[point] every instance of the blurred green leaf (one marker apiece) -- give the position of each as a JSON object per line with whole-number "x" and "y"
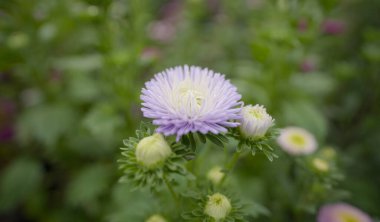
{"x": 45, "y": 123}
{"x": 88, "y": 184}
{"x": 103, "y": 122}
{"x": 306, "y": 115}
{"x": 18, "y": 182}
{"x": 88, "y": 62}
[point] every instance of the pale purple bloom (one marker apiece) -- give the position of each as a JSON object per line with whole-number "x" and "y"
{"x": 341, "y": 212}
{"x": 187, "y": 99}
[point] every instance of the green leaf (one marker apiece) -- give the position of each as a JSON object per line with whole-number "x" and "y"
{"x": 88, "y": 185}
{"x": 18, "y": 182}
{"x": 202, "y": 137}
{"x": 46, "y": 124}
{"x": 214, "y": 140}
{"x": 103, "y": 123}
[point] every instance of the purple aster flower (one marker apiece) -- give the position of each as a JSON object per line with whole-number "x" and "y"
{"x": 187, "y": 99}
{"x": 341, "y": 212}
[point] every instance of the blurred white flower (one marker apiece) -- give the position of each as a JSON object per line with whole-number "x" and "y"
{"x": 156, "y": 218}
{"x": 215, "y": 175}
{"x": 152, "y": 151}
{"x": 255, "y": 121}
{"x": 297, "y": 141}
{"x": 218, "y": 206}
{"x": 320, "y": 164}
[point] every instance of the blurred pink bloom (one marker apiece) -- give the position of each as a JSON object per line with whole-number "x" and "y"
{"x": 7, "y": 107}
{"x": 161, "y": 31}
{"x": 308, "y": 65}
{"x": 164, "y": 30}
{"x": 6, "y": 133}
{"x": 150, "y": 53}
{"x": 341, "y": 212}
{"x": 55, "y": 76}
{"x": 302, "y": 25}
{"x": 333, "y": 27}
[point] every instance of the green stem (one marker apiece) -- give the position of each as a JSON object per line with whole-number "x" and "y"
{"x": 233, "y": 161}
{"x": 171, "y": 190}
{"x": 231, "y": 164}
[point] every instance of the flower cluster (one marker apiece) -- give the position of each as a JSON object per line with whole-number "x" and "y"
{"x": 187, "y": 105}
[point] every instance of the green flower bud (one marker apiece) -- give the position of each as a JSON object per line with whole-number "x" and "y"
{"x": 320, "y": 165}
{"x": 215, "y": 175}
{"x": 152, "y": 151}
{"x": 218, "y": 206}
{"x": 156, "y": 218}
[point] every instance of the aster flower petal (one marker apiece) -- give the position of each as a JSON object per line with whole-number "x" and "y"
{"x": 187, "y": 99}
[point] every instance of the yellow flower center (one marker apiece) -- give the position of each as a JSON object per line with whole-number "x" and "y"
{"x": 189, "y": 95}
{"x": 298, "y": 140}
{"x": 346, "y": 217}
{"x": 256, "y": 113}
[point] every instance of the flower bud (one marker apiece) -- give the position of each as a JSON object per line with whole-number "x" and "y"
{"x": 328, "y": 153}
{"x": 156, "y": 218}
{"x": 255, "y": 121}
{"x": 320, "y": 165}
{"x": 218, "y": 206}
{"x": 215, "y": 175}
{"x": 152, "y": 151}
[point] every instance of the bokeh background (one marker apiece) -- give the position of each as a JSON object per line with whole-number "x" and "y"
{"x": 71, "y": 72}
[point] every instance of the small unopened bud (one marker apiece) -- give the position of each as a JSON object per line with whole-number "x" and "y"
{"x": 152, "y": 151}
{"x": 255, "y": 121}
{"x": 218, "y": 206}
{"x": 320, "y": 165}
{"x": 328, "y": 153}
{"x": 215, "y": 175}
{"x": 156, "y": 218}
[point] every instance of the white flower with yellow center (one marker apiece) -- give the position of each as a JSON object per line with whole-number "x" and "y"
{"x": 215, "y": 175}
{"x": 153, "y": 150}
{"x": 156, "y": 218}
{"x": 255, "y": 121}
{"x": 320, "y": 164}
{"x": 297, "y": 141}
{"x": 218, "y": 206}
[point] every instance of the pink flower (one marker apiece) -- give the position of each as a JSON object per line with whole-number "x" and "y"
{"x": 302, "y": 25}
{"x": 307, "y": 65}
{"x": 341, "y": 212}
{"x": 333, "y": 27}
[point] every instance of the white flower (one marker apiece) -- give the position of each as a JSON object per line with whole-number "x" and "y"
{"x": 152, "y": 151}
{"x": 297, "y": 141}
{"x": 320, "y": 164}
{"x": 255, "y": 121}
{"x": 215, "y": 175}
{"x": 218, "y": 206}
{"x": 156, "y": 218}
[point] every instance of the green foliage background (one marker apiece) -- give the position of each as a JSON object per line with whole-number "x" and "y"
{"x": 72, "y": 70}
